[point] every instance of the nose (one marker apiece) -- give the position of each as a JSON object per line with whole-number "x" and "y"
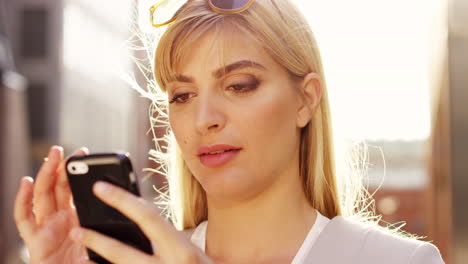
{"x": 210, "y": 116}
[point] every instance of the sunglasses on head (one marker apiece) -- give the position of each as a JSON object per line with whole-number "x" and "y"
{"x": 161, "y": 17}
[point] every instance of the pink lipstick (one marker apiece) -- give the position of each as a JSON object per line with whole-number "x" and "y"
{"x": 217, "y": 155}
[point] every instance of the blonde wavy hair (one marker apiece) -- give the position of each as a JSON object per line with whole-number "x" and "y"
{"x": 284, "y": 33}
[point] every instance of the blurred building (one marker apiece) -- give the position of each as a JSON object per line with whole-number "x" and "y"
{"x": 14, "y": 140}
{"x": 71, "y": 54}
{"x": 398, "y": 174}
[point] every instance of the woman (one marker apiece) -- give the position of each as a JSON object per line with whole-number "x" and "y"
{"x": 252, "y": 179}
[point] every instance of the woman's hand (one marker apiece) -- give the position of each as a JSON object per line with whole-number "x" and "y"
{"x": 44, "y": 213}
{"x": 172, "y": 246}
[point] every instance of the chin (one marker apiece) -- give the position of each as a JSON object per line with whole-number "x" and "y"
{"x": 227, "y": 196}
{"x": 230, "y": 188}
{"x": 227, "y": 186}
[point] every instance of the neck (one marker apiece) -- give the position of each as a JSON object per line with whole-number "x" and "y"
{"x": 269, "y": 227}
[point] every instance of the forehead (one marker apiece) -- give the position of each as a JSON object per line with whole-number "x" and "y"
{"x": 216, "y": 49}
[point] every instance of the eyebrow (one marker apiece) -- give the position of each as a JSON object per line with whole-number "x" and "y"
{"x": 223, "y": 70}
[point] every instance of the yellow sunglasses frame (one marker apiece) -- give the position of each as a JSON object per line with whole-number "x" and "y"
{"x": 212, "y": 6}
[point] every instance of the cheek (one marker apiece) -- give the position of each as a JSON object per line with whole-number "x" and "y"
{"x": 272, "y": 117}
{"x": 270, "y": 130}
{"x": 180, "y": 130}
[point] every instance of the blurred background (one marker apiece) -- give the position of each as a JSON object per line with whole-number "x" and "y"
{"x": 396, "y": 75}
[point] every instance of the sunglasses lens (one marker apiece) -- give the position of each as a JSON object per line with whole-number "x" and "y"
{"x": 229, "y": 4}
{"x": 166, "y": 11}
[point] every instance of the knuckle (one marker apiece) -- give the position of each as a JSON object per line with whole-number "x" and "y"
{"x": 147, "y": 210}
{"x": 43, "y": 190}
{"x": 148, "y": 217}
{"x": 49, "y": 163}
{"x": 61, "y": 168}
{"x": 62, "y": 182}
{"x": 141, "y": 202}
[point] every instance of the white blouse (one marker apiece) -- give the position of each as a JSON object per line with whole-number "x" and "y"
{"x": 199, "y": 237}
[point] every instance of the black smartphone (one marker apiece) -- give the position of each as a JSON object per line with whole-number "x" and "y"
{"x": 115, "y": 168}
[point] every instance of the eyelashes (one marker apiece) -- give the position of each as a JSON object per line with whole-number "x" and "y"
{"x": 180, "y": 98}
{"x": 237, "y": 88}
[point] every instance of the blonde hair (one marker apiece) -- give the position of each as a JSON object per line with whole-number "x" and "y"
{"x": 286, "y": 36}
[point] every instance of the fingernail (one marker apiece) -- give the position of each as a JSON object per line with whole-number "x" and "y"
{"x": 24, "y": 180}
{"x": 85, "y": 150}
{"x": 53, "y": 150}
{"x": 28, "y": 178}
{"x": 102, "y": 187}
{"x": 76, "y": 234}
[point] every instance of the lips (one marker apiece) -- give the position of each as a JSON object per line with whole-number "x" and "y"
{"x": 208, "y": 150}
{"x": 217, "y": 155}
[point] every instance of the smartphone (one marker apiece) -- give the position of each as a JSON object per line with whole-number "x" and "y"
{"x": 115, "y": 168}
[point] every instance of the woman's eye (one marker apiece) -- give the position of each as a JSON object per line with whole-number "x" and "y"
{"x": 180, "y": 98}
{"x": 236, "y": 88}
{"x": 243, "y": 87}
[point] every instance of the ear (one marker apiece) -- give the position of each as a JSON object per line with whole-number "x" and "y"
{"x": 310, "y": 95}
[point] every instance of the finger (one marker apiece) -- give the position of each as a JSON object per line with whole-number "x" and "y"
{"x": 44, "y": 196}
{"x": 52, "y": 235}
{"x": 23, "y": 209}
{"x": 62, "y": 189}
{"x": 110, "y": 248}
{"x": 155, "y": 227}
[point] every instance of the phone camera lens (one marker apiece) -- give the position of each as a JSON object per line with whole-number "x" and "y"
{"x": 73, "y": 168}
